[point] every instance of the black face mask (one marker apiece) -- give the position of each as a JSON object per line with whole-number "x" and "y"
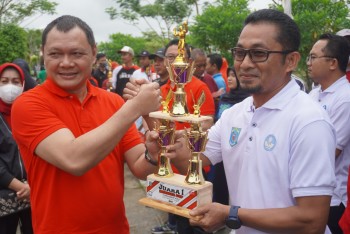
{"x": 103, "y": 65}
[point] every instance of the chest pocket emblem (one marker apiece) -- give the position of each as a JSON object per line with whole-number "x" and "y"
{"x": 270, "y": 142}
{"x": 234, "y": 136}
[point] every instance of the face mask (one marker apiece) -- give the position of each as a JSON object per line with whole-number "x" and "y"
{"x": 9, "y": 92}
{"x": 103, "y": 65}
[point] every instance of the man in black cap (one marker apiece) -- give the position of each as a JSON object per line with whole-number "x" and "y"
{"x": 159, "y": 66}
{"x": 146, "y": 69}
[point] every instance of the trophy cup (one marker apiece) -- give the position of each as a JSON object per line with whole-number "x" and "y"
{"x": 166, "y": 190}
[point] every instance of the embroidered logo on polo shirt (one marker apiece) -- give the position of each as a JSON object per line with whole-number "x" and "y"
{"x": 234, "y": 136}
{"x": 270, "y": 142}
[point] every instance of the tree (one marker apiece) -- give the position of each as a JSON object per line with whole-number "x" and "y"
{"x": 34, "y": 44}
{"x": 14, "y": 11}
{"x": 315, "y": 18}
{"x": 119, "y": 40}
{"x": 13, "y": 43}
{"x": 219, "y": 25}
{"x": 166, "y": 13}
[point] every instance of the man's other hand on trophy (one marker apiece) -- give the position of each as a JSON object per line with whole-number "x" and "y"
{"x": 145, "y": 94}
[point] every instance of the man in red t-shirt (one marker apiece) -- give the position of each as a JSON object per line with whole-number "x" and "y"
{"x": 75, "y": 138}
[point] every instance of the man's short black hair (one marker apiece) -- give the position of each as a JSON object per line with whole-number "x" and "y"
{"x": 100, "y": 55}
{"x": 288, "y": 35}
{"x": 64, "y": 24}
{"x": 337, "y": 47}
{"x": 216, "y": 59}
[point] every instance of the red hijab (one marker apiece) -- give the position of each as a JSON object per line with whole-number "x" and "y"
{"x": 5, "y": 109}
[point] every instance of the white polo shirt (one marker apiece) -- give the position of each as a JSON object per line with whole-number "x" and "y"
{"x": 282, "y": 150}
{"x": 336, "y": 101}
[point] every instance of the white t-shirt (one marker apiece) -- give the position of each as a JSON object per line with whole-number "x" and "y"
{"x": 139, "y": 75}
{"x": 272, "y": 154}
{"x": 336, "y": 101}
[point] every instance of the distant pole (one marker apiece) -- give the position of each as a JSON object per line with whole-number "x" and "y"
{"x": 287, "y": 6}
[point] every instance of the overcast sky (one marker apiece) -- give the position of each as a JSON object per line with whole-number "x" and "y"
{"x": 93, "y": 13}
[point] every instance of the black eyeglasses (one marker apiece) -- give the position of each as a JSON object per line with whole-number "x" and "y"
{"x": 255, "y": 55}
{"x": 312, "y": 57}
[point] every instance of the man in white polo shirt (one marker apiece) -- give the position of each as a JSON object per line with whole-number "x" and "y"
{"x": 277, "y": 146}
{"x": 327, "y": 63}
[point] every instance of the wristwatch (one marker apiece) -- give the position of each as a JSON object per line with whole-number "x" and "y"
{"x": 232, "y": 220}
{"x": 149, "y": 159}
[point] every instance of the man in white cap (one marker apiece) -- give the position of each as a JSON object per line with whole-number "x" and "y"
{"x": 121, "y": 74}
{"x": 346, "y": 33}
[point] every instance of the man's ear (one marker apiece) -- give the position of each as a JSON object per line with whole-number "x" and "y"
{"x": 334, "y": 64}
{"x": 292, "y": 60}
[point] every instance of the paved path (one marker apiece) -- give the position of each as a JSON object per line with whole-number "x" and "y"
{"x": 141, "y": 219}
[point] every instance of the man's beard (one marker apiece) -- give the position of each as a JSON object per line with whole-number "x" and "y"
{"x": 250, "y": 88}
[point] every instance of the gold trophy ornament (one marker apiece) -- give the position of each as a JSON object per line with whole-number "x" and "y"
{"x": 109, "y": 75}
{"x": 196, "y": 139}
{"x": 180, "y": 73}
{"x": 166, "y": 137}
{"x": 168, "y": 191}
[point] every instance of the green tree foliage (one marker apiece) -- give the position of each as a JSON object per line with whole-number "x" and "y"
{"x": 34, "y": 41}
{"x": 219, "y": 26}
{"x": 13, "y": 43}
{"x": 166, "y": 13}
{"x": 34, "y": 44}
{"x": 118, "y": 40}
{"x": 315, "y": 18}
{"x": 14, "y": 11}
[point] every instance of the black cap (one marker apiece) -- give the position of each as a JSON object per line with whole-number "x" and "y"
{"x": 159, "y": 53}
{"x": 144, "y": 53}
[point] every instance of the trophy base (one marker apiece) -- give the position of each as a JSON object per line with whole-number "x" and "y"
{"x": 175, "y": 196}
{"x": 187, "y": 118}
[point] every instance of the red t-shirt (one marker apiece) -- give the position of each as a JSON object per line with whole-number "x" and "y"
{"x": 345, "y": 219}
{"x": 61, "y": 202}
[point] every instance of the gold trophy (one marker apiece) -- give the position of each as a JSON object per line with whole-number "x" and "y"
{"x": 166, "y": 190}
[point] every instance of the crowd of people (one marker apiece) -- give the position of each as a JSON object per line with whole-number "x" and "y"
{"x": 278, "y": 157}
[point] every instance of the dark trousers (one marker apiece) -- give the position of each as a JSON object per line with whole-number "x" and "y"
{"x": 9, "y": 223}
{"x": 335, "y": 213}
{"x": 184, "y": 227}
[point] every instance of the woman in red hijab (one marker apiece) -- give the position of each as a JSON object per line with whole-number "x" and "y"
{"x": 12, "y": 173}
